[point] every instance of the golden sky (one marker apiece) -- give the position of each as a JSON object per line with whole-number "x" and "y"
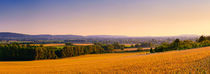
{"x": 106, "y": 17}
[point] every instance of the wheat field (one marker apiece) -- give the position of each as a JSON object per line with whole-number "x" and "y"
{"x": 192, "y": 61}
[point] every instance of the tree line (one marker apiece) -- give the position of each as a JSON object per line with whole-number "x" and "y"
{"x": 19, "y": 52}
{"x": 15, "y": 52}
{"x": 143, "y": 44}
{"x": 110, "y": 47}
{"x": 181, "y": 45}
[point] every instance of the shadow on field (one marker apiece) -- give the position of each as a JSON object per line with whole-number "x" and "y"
{"x": 13, "y": 59}
{"x": 24, "y": 59}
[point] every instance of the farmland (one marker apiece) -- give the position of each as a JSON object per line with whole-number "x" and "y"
{"x": 185, "y": 61}
{"x": 131, "y": 49}
{"x": 60, "y": 44}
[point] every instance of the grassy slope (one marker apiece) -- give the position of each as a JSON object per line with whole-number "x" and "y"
{"x": 193, "y": 60}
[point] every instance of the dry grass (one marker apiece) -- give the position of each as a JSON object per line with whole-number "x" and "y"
{"x": 192, "y": 61}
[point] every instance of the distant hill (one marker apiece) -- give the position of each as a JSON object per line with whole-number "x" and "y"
{"x": 9, "y": 34}
{"x": 19, "y": 36}
{"x": 106, "y": 36}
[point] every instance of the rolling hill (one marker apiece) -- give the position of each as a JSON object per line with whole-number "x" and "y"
{"x": 9, "y": 34}
{"x": 19, "y": 36}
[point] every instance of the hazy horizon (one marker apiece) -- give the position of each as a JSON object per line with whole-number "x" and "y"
{"x": 106, "y": 17}
{"x": 108, "y": 35}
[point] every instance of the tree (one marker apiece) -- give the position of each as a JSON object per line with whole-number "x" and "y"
{"x": 202, "y": 38}
{"x": 137, "y": 45}
{"x": 122, "y": 47}
{"x": 163, "y": 47}
{"x": 98, "y": 43}
{"x": 151, "y": 50}
{"x": 132, "y": 46}
{"x": 108, "y": 47}
{"x": 69, "y": 44}
{"x": 208, "y": 37}
{"x": 177, "y": 41}
{"x": 176, "y": 44}
{"x": 116, "y": 45}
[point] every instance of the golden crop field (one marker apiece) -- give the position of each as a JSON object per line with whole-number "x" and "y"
{"x": 192, "y": 61}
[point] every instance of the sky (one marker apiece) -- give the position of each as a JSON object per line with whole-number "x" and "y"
{"x": 106, "y": 17}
